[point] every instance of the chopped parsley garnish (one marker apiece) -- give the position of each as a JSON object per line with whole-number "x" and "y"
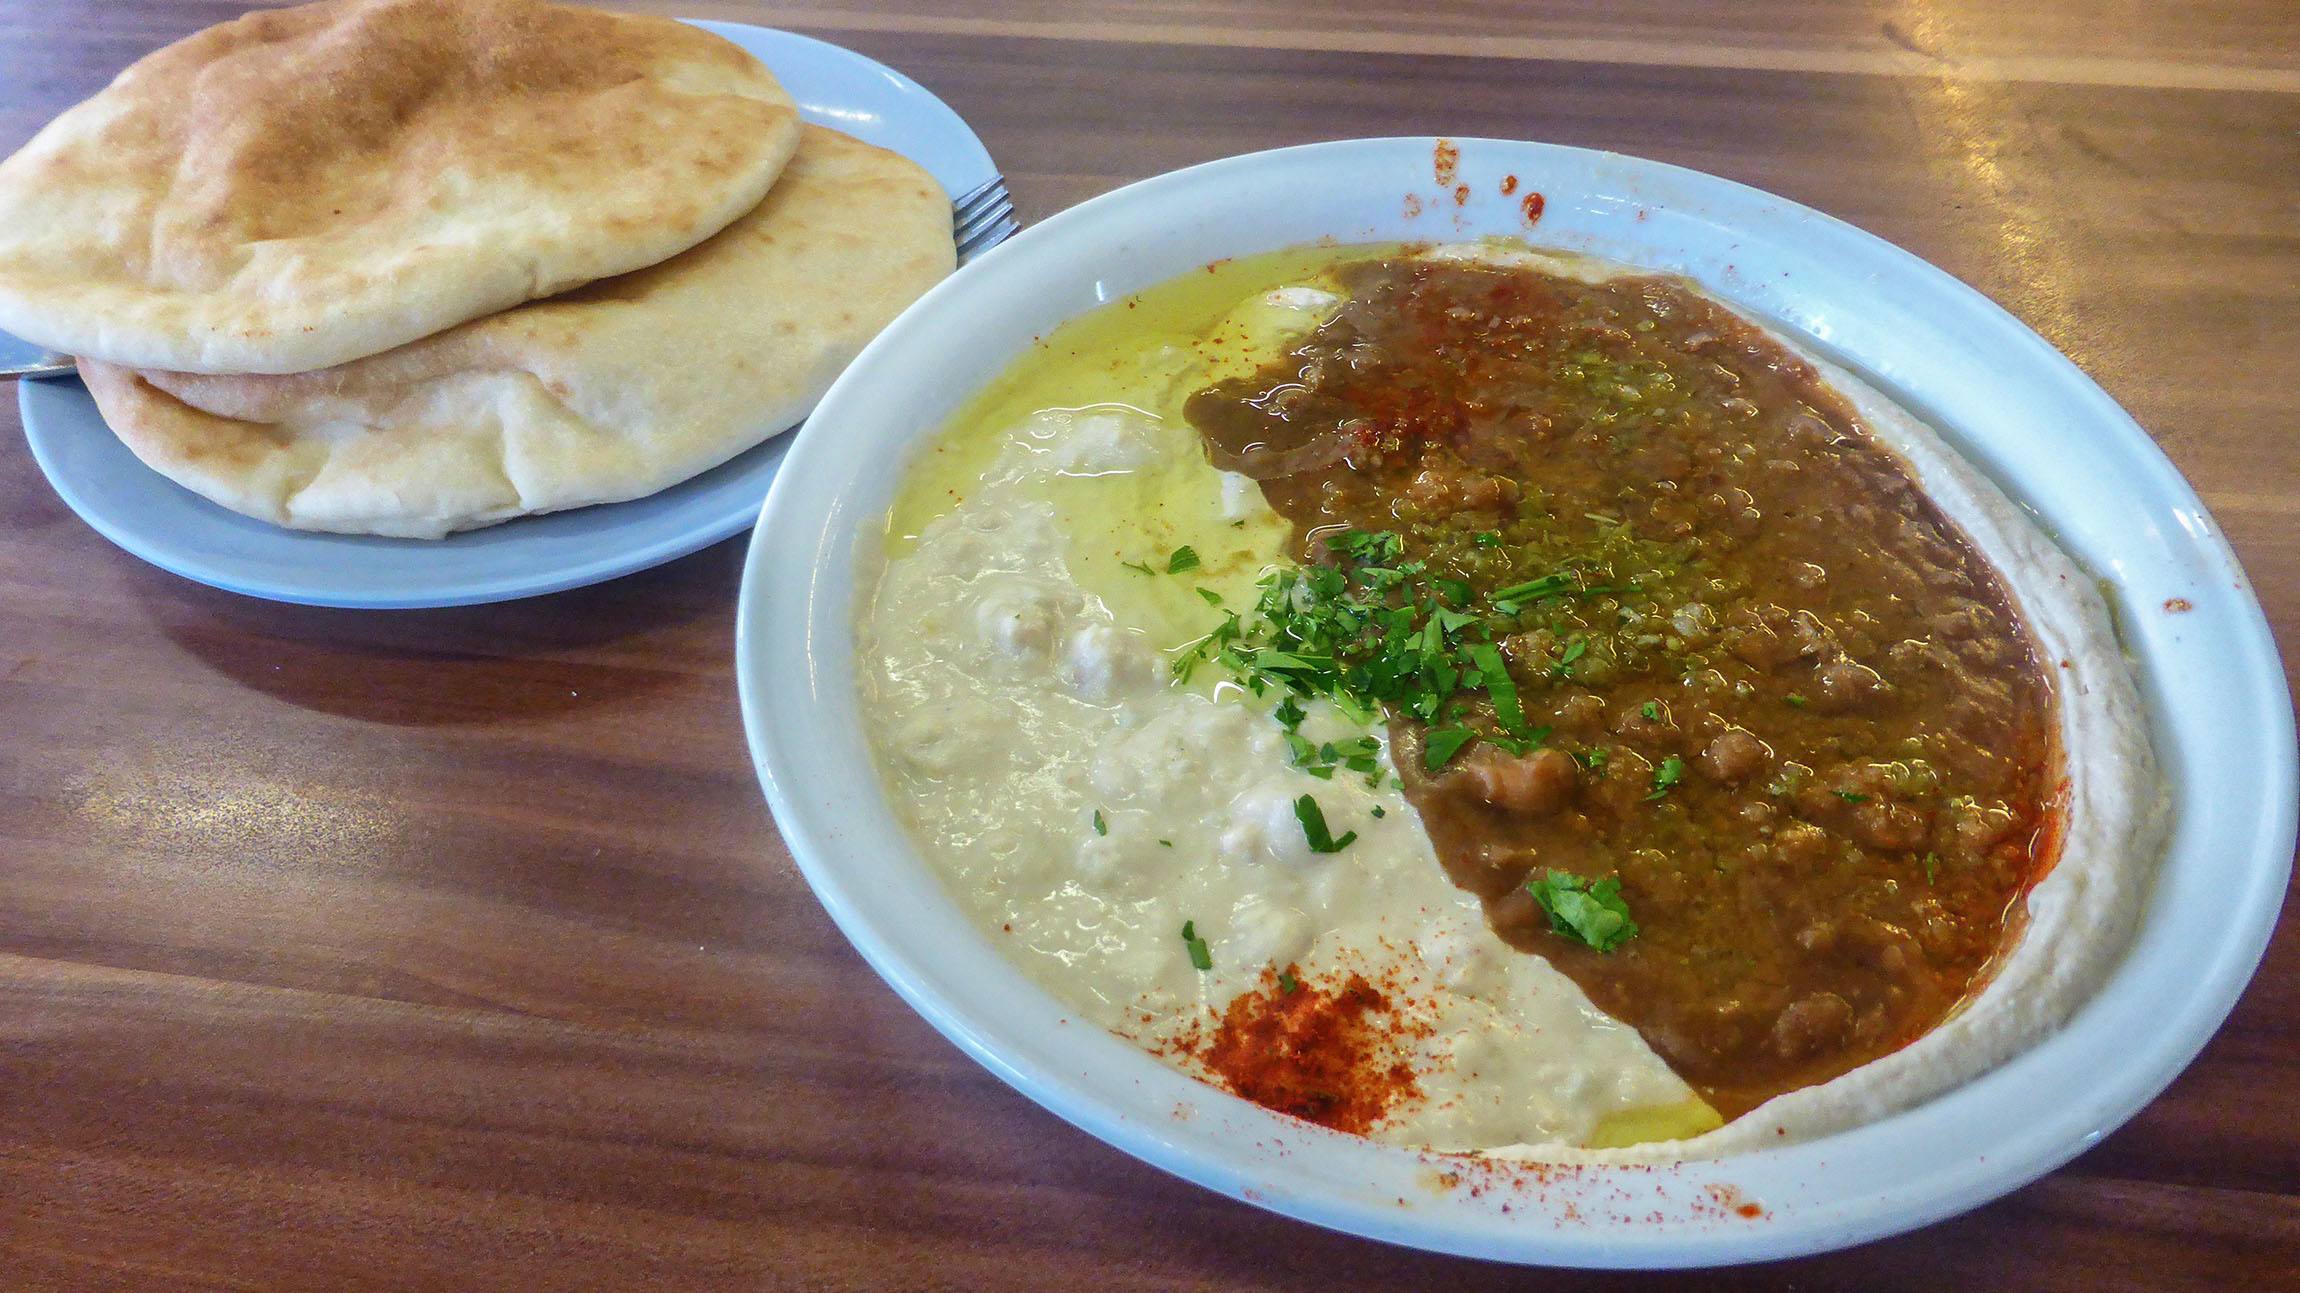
{"x": 1142, "y": 567}
{"x": 1380, "y": 811}
{"x": 1442, "y": 743}
{"x": 1932, "y": 867}
{"x": 1486, "y": 538}
{"x": 1369, "y": 546}
{"x": 1592, "y": 760}
{"x": 1592, "y": 914}
{"x": 1374, "y": 627}
{"x": 1370, "y": 629}
{"x": 1521, "y": 743}
{"x": 1493, "y": 675}
{"x": 1358, "y": 754}
{"x": 1101, "y": 827}
{"x": 1185, "y": 559}
{"x": 1212, "y": 598}
{"x": 1287, "y": 983}
{"x": 1652, "y": 711}
{"x": 1850, "y": 797}
{"x": 1533, "y": 590}
{"x": 1313, "y": 819}
{"x": 1200, "y": 956}
{"x": 1796, "y": 701}
{"x": 1668, "y": 773}
{"x": 1574, "y": 650}
{"x": 1165, "y": 844}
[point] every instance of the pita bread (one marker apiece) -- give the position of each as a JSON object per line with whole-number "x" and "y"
{"x": 305, "y": 186}
{"x": 610, "y": 392}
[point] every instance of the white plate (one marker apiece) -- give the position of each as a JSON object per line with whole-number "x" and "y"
{"x": 2220, "y": 712}
{"x": 177, "y": 530}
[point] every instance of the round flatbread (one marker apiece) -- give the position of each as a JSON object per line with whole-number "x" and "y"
{"x": 301, "y": 187}
{"x": 609, "y": 392}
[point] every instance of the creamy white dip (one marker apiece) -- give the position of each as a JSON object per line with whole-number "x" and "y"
{"x": 1010, "y": 706}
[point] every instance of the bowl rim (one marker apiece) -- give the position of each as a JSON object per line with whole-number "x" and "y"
{"x": 791, "y": 716}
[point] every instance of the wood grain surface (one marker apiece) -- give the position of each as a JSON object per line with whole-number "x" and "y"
{"x": 457, "y": 950}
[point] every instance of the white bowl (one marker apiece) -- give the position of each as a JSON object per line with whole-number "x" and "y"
{"x": 2220, "y": 713}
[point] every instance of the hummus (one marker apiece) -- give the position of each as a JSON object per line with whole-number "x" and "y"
{"x": 1234, "y": 879}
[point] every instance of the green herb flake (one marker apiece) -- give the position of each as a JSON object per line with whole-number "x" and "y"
{"x": 1486, "y": 538}
{"x": 1380, "y": 811}
{"x": 1313, "y": 819}
{"x": 1796, "y": 701}
{"x": 1534, "y": 589}
{"x": 1652, "y": 711}
{"x": 1287, "y": 983}
{"x": 1850, "y": 797}
{"x": 1101, "y": 827}
{"x": 1165, "y": 844}
{"x": 1142, "y": 567}
{"x": 1200, "y": 956}
{"x": 1590, "y": 913}
{"x": 1442, "y": 743}
{"x": 1670, "y": 771}
{"x": 1932, "y": 868}
{"x": 1185, "y": 559}
{"x": 1574, "y": 650}
{"x": 1212, "y": 598}
{"x": 1494, "y": 672}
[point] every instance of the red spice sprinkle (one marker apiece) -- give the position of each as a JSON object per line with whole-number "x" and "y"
{"x": 1445, "y": 162}
{"x": 1532, "y": 207}
{"x": 1329, "y": 1055}
{"x": 2178, "y": 604}
{"x": 1413, "y": 205}
{"x": 1729, "y": 1201}
{"x": 1461, "y": 195}
{"x": 1508, "y": 185}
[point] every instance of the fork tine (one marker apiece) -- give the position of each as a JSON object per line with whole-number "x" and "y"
{"x": 989, "y": 235}
{"x": 989, "y": 238}
{"x": 963, "y": 227}
{"x": 974, "y": 199}
{"x": 983, "y": 219}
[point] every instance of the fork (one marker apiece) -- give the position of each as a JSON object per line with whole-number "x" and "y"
{"x": 47, "y": 365}
{"x": 980, "y": 219}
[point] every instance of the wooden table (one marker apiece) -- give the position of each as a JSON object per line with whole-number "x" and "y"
{"x": 456, "y": 949}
